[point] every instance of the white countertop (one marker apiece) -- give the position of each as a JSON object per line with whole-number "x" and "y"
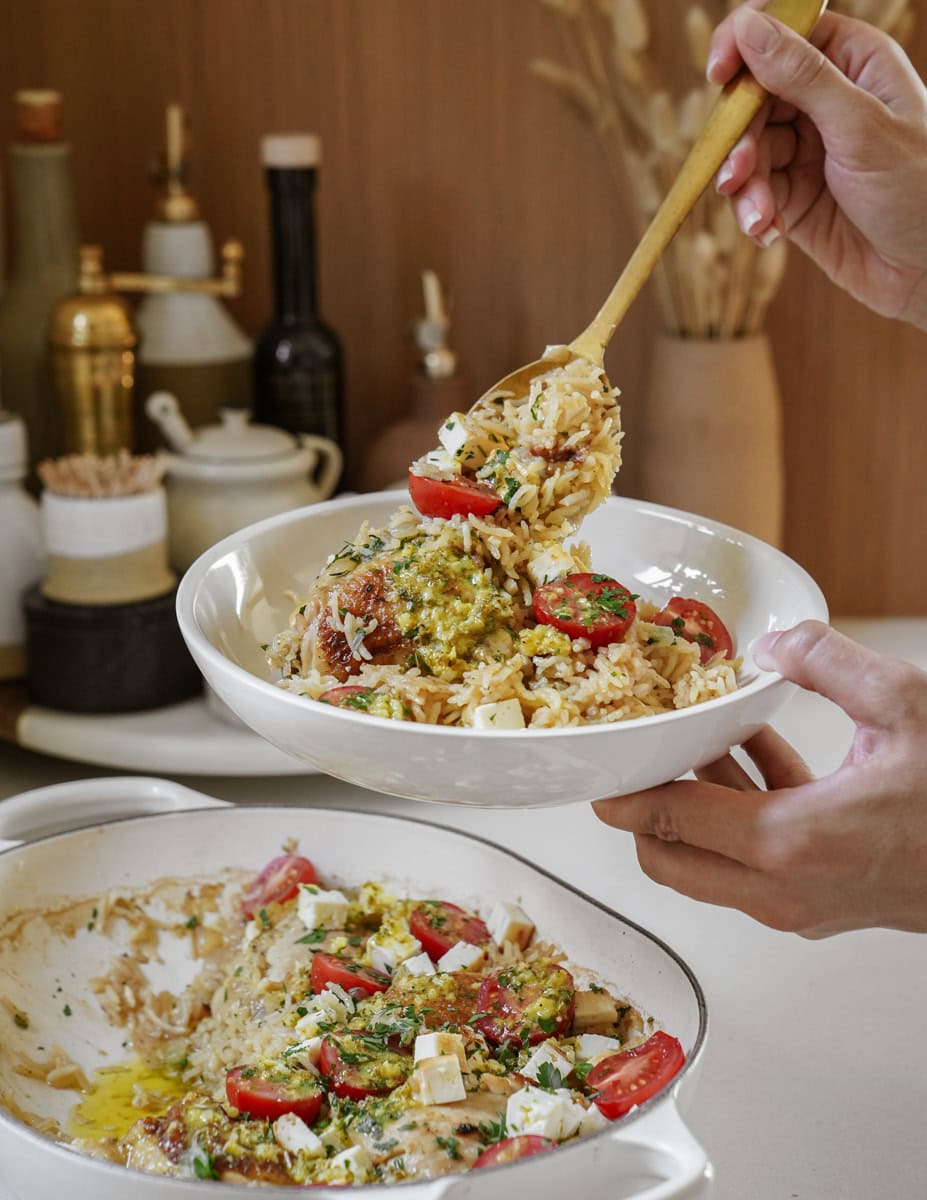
{"x": 814, "y": 1078}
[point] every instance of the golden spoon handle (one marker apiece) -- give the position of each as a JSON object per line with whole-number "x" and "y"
{"x": 736, "y": 107}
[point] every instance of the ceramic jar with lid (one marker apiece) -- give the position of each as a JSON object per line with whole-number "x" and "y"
{"x": 223, "y": 477}
{"x": 21, "y": 548}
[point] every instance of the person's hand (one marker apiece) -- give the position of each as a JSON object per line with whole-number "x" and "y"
{"x": 815, "y": 857}
{"x": 837, "y": 160}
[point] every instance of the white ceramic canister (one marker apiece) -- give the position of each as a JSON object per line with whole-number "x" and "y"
{"x": 21, "y": 551}
{"x": 226, "y": 476}
{"x": 106, "y": 550}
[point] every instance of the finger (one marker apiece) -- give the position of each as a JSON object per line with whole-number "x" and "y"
{"x": 792, "y": 68}
{"x": 711, "y": 878}
{"x": 725, "y": 772}
{"x": 779, "y": 762}
{"x": 755, "y": 210}
{"x": 703, "y": 815}
{"x": 781, "y": 142}
{"x": 873, "y": 690}
{"x": 724, "y": 60}
{"x": 739, "y": 165}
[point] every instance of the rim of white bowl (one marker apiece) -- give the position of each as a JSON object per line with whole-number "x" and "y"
{"x": 195, "y": 575}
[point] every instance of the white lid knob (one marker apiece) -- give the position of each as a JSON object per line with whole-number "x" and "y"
{"x": 291, "y": 150}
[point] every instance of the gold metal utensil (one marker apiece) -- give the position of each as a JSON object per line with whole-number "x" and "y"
{"x": 735, "y": 108}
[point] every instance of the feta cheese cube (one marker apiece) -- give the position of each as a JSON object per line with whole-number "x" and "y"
{"x": 552, "y": 1115}
{"x": 594, "y": 1011}
{"x": 462, "y": 956}
{"x": 293, "y": 1134}
{"x": 502, "y": 714}
{"x": 319, "y": 909}
{"x": 305, "y": 1054}
{"x": 434, "y": 1045}
{"x": 442, "y": 461}
{"x": 439, "y": 1080}
{"x": 549, "y": 562}
{"x": 461, "y": 442}
{"x": 593, "y": 1121}
{"x": 390, "y": 947}
{"x": 510, "y": 923}
{"x": 548, "y": 1052}
{"x": 594, "y": 1045}
{"x": 419, "y": 964}
{"x": 351, "y": 1165}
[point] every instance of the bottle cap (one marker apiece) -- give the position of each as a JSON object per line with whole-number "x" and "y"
{"x": 38, "y": 115}
{"x": 13, "y": 446}
{"x": 291, "y": 150}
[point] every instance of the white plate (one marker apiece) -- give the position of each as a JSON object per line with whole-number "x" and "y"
{"x": 187, "y": 739}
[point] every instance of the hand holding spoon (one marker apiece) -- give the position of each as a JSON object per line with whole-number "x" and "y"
{"x": 735, "y": 108}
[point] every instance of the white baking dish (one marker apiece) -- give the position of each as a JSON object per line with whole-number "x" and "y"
{"x": 649, "y": 1155}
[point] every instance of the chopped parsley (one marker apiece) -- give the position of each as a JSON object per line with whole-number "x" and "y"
{"x": 549, "y": 1078}
{"x": 193, "y": 922}
{"x": 312, "y": 937}
{"x": 450, "y": 1145}
{"x": 511, "y": 487}
{"x": 203, "y": 1165}
{"x": 493, "y": 1131}
{"x": 548, "y": 1024}
{"x": 581, "y": 1070}
{"x": 67, "y": 1010}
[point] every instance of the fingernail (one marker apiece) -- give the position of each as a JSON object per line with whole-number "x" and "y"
{"x": 767, "y": 238}
{"x": 756, "y": 30}
{"x": 724, "y": 176}
{"x": 752, "y": 219}
{"x": 714, "y": 62}
{"x": 761, "y": 649}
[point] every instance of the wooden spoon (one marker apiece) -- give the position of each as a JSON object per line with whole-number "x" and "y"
{"x": 735, "y": 108}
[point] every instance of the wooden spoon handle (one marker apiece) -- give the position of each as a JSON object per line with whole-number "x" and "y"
{"x": 736, "y": 107}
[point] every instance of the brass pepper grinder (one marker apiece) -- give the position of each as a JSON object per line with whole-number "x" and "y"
{"x": 93, "y": 352}
{"x": 93, "y": 347}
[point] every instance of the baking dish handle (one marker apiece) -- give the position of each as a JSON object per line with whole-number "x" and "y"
{"x": 665, "y": 1148}
{"x": 65, "y": 806}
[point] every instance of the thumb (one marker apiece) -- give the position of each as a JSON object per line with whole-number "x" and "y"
{"x": 871, "y": 689}
{"x": 791, "y": 68}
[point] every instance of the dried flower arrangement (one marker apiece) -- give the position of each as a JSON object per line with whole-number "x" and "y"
{"x": 713, "y": 282}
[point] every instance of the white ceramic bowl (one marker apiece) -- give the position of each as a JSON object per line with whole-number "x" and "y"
{"x": 235, "y": 597}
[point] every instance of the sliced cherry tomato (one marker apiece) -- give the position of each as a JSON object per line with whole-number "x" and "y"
{"x": 594, "y": 607}
{"x": 449, "y": 497}
{"x": 341, "y": 697}
{"x": 356, "y": 1070}
{"x": 509, "y": 1149}
{"x": 278, "y": 882}
{"x": 438, "y": 925}
{"x": 328, "y": 968}
{"x": 623, "y": 1080}
{"x": 526, "y": 1003}
{"x": 443, "y": 1001}
{"x": 268, "y": 1094}
{"x": 698, "y": 623}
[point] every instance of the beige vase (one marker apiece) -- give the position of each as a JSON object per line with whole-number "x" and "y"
{"x": 711, "y": 432}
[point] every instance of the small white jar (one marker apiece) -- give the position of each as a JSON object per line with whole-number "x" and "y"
{"x": 106, "y": 550}
{"x": 21, "y": 552}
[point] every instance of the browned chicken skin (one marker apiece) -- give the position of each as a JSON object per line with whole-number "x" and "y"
{"x": 365, "y": 593}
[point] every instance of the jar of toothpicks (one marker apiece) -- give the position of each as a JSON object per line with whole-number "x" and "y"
{"x": 635, "y": 74}
{"x": 102, "y": 635}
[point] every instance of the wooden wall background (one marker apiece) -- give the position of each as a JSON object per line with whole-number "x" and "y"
{"x": 441, "y": 151}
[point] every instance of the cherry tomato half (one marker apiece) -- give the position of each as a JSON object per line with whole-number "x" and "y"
{"x": 328, "y": 968}
{"x": 698, "y": 623}
{"x": 439, "y": 925}
{"x": 526, "y": 1003}
{"x": 589, "y": 606}
{"x": 268, "y": 1095}
{"x": 623, "y": 1080}
{"x": 341, "y": 697}
{"x": 355, "y": 1071}
{"x": 278, "y": 882}
{"x": 509, "y": 1149}
{"x": 448, "y": 497}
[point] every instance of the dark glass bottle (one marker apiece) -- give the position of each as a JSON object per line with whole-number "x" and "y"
{"x": 298, "y": 362}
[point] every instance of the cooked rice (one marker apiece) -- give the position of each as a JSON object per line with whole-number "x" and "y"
{"x": 552, "y": 456}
